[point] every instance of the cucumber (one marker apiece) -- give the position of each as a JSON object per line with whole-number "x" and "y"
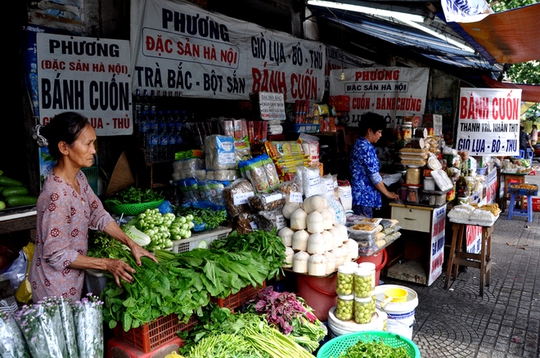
{"x": 6, "y": 181}
{"x": 14, "y": 190}
{"x": 21, "y": 200}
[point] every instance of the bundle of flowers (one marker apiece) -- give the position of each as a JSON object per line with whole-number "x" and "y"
{"x": 54, "y": 327}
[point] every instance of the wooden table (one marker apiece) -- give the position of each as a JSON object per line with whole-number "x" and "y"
{"x": 458, "y": 255}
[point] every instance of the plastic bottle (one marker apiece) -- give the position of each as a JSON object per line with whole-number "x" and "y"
{"x": 163, "y": 137}
{"x": 144, "y": 126}
{"x": 152, "y": 138}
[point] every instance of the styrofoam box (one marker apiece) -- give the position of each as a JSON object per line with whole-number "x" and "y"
{"x": 200, "y": 240}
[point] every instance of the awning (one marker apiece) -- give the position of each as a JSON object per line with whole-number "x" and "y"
{"x": 529, "y": 93}
{"x": 510, "y": 37}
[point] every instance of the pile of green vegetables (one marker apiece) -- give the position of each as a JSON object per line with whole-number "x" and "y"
{"x": 155, "y": 231}
{"x": 183, "y": 283}
{"x": 133, "y": 195}
{"x": 374, "y": 349}
{"x": 204, "y": 219}
{"x": 222, "y": 334}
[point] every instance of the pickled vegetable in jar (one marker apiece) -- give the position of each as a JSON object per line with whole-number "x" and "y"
{"x": 364, "y": 282}
{"x": 345, "y": 307}
{"x": 364, "y": 308}
{"x": 345, "y": 280}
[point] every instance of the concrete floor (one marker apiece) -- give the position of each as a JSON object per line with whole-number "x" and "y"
{"x": 505, "y": 322}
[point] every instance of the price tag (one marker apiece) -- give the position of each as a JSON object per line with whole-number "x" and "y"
{"x": 253, "y": 225}
{"x": 273, "y": 197}
{"x": 280, "y": 222}
{"x": 295, "y": 197}
{"x": 242, "y": 198}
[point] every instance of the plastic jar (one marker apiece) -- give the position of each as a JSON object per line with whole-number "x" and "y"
{"x": 345, "y": 307}
{"x": 412, "y": 195}
{"x": 364, "y": 308}
{"x": 429, "y": 183}
{"x": 413, "y": 176}
{"x": 364, "y": 281}
{"x": 407, "y": 131}
{"x": 345, "y": 280}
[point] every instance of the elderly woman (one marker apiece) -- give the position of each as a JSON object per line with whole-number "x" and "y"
{"x": 66, "y": 208}
{"x": 367, "y": 184}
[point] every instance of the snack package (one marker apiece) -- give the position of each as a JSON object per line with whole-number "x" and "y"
{"x": 219, "y": 152}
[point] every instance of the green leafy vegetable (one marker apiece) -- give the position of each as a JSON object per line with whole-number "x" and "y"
{"x": 374, "y": 349}
{"x": 133, "y": 195}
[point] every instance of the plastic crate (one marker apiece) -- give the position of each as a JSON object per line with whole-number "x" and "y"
{"x": 95, "y": 281}
{"x": 337, "y": 346}
{"x": 535, "y": 203}
{"x": 92, "y": 175}
{"x": 156, "y": 333}
{"x": 236, "y": 300}
{"x": 201, "y": 240}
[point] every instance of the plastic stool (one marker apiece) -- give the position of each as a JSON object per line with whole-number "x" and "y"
{"x": 512, "y": 211}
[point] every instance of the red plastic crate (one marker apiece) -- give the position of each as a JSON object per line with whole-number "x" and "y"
{"x": 156, "y": 333}
{"x": 117, "y": 348}
{"x": 238, "y": 299}
{"x": 535, "y": 203}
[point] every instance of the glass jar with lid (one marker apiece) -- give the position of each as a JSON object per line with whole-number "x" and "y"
{"x": 345, "y": 307}
{"x": 364, "y": 281}
{"x": 345, "y": 280}
{"x": 364, "y": 308}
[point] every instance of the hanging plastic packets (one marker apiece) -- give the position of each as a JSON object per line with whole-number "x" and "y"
{"x": 88, "y": 313}
{"x": 12, "y": 343}
{"x": 65, "y": 307}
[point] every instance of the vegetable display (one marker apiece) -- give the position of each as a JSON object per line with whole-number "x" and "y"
{"x": 181, "y": 283}
{"x": 204, "y": 219}
{"x": 374, "y": 349}
{"x": 13, "y": 193}
{"x": 154, "y": 230}
{"x": 223, "y": 334}
{"x": 132, "y": 195}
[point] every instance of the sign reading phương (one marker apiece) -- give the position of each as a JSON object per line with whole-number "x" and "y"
{"x": 488, "y": 122}
{"x": 90, "y": 76}
{"x": 182, "y": 50}
{"x": 393, "y": 92}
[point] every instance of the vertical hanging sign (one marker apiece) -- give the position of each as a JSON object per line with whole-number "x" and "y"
{"x": 90, "y": 76}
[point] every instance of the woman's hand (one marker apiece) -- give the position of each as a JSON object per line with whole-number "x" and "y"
{"x": 138, "y": 252}
{"x": 392, "y": 196}
{"x": 120, "y": 270}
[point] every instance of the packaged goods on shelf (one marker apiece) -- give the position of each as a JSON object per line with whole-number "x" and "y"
{"x": 219, "y": 152}
{"x": 261, "y": 172}
{"x": 236, "y": 196}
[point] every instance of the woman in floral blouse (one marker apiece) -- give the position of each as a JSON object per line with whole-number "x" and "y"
{"x": 367, "y": 184}
{"x": 66, "y": 208}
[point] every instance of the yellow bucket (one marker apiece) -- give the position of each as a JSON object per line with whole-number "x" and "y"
{"x": 394, "y": 295}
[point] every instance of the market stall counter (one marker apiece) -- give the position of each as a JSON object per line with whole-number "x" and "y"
{"x": 418, "y": 256}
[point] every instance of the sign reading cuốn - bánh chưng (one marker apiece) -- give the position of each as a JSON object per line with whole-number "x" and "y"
{"x": 488, "y": 122}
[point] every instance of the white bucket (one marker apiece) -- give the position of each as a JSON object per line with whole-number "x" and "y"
{"x": 337, "y": 327}
{"x": 400, "y": 314}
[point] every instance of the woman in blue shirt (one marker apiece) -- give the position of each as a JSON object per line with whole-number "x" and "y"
{"x": 367, "y": 184}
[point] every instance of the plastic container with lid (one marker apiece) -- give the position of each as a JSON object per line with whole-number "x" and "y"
{"x": 413, "y": 176}
{"x": 429, "y": 183}
{"x": 406, "y": 129}
{"x": 364, "y": 308}
{"x": 345, "y": 307}
{"x": 364, "y": 280}
{"x": 412, "y": 194}
{"x": 345, "y": 280}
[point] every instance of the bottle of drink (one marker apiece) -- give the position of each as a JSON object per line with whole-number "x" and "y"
{"x": 163, "y": 137}
{"x": 144, "y": 126}
{"x": 152, "y": 138}
{"x": 171, "y": 148}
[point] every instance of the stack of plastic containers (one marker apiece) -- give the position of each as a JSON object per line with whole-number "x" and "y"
{"x": 355, "y": 290}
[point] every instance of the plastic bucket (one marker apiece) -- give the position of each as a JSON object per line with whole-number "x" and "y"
{"x": 400, "y": 314}
{"x": 337, "y": 327}
{"x": 318, "y": 292}
{"x": 379, "y": 259}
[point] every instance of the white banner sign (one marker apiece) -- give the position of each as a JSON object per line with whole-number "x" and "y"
{"x": 183, "y": 50}
{"x": 488, "y": 122}
{"x": 90, "y": 76}
{"x": 393, "y": 92}
{"x": 465, "y": 10}
{"x": 437, "y": 243}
